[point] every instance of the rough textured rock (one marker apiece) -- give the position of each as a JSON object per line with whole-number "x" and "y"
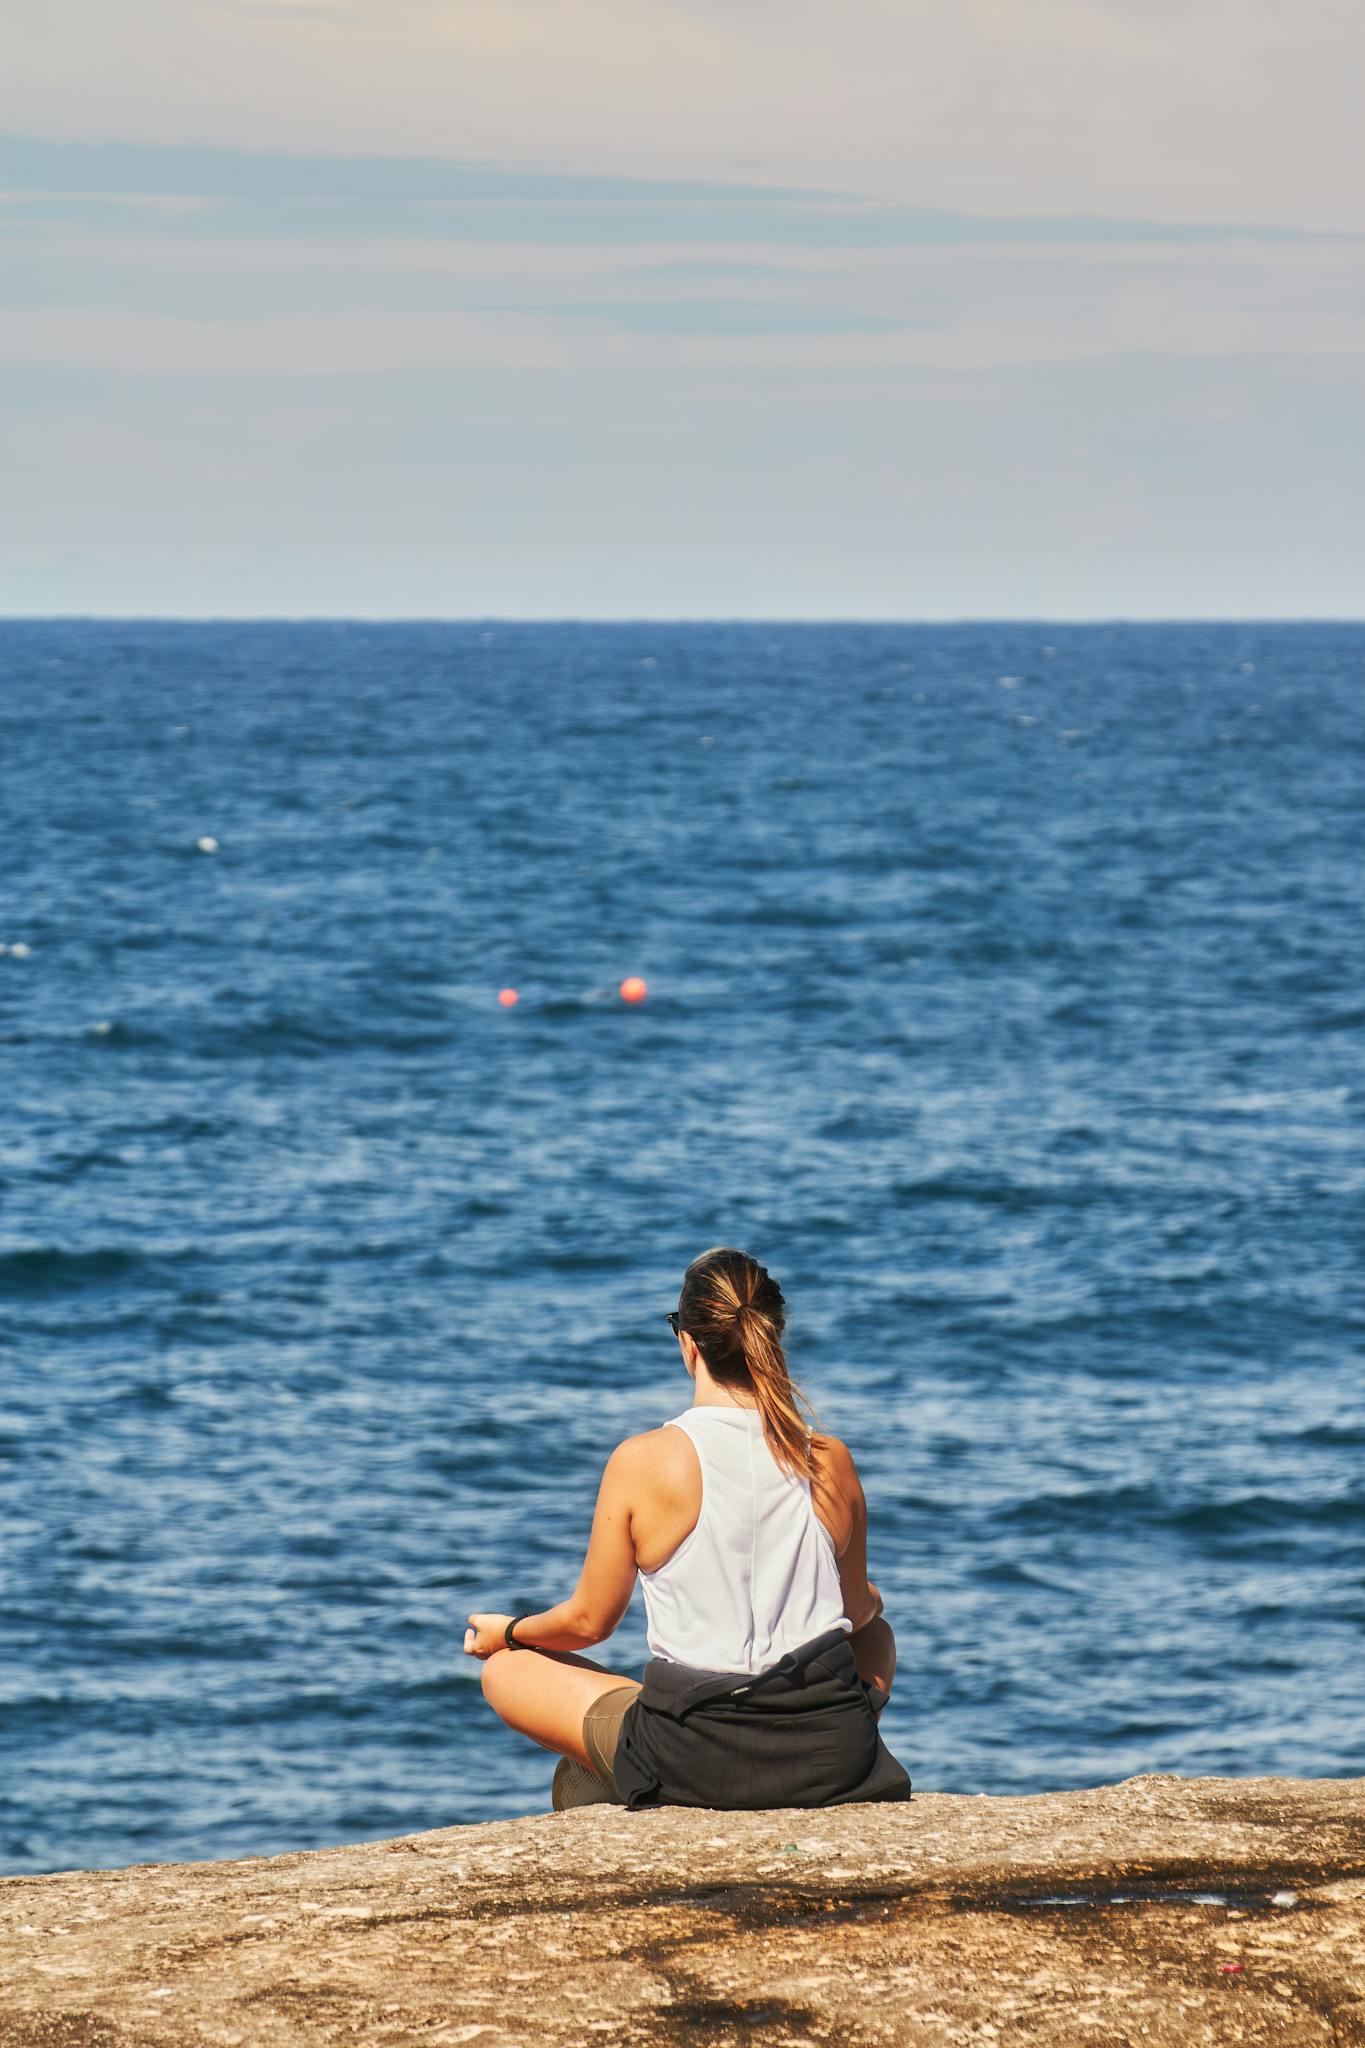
{"x": 935, "y": 1921}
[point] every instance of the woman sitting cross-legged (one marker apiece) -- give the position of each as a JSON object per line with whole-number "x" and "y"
{"x": 769, "y": 1657}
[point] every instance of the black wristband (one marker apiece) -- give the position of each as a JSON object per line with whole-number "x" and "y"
{"x": 509, "y": 1639}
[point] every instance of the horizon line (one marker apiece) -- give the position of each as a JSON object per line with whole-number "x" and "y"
{"x": 674, "y": 619}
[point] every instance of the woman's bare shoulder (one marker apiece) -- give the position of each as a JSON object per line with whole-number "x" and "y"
{"x": 664, "y": 1453}
{"x": 834, "y": 1456}
{"x": 649, "y": 1443}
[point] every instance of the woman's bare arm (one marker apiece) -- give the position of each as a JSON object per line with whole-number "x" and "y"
{"x": 862, "y": 1601}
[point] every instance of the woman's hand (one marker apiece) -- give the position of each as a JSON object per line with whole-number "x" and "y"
{"x": 485, "y": 1634}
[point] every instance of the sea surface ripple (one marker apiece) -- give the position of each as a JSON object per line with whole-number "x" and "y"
{"x": 1005, "y": 998}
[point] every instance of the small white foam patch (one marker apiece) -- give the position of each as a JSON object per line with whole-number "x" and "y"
{"x": 18, "y": 951}
{"x": 207, "y": 844}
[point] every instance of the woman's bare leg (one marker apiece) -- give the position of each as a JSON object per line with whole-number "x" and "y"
{"x": 874, "y": 1652}
{"x": 546, "y": 1693}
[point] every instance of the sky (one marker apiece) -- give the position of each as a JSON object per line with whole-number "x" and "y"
{"x": 885, "y": 309}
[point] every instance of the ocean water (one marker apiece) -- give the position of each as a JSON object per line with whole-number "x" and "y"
{"x": 1006, "y": 999}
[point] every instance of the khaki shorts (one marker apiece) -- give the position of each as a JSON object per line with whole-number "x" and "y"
{"x": 602, "y": 1724}
{"x": 602, "y": 1727}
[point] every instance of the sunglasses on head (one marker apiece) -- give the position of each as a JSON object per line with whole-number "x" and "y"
{"x": 672, "y": 1320}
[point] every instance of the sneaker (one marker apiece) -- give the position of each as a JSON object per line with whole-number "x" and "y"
{"x": 575, "y": 1785}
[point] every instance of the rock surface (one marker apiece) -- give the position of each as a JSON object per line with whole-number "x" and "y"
{"x": 1067, "y": 1918}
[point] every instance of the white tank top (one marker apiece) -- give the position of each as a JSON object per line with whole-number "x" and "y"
{"x": 757, "y": 1575}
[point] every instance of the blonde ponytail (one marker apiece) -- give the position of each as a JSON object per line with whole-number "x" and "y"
{"x": 733, "y": 1310}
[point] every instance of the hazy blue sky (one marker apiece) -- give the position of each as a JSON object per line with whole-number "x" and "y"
{"x": 622, "y": 308}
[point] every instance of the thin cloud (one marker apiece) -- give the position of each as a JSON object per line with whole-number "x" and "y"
{"x": 1152, "y": 112}
{"x": 267, "y": 193}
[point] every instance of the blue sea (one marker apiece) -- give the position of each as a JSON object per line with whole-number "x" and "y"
{"x": 1005, "y": 998}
